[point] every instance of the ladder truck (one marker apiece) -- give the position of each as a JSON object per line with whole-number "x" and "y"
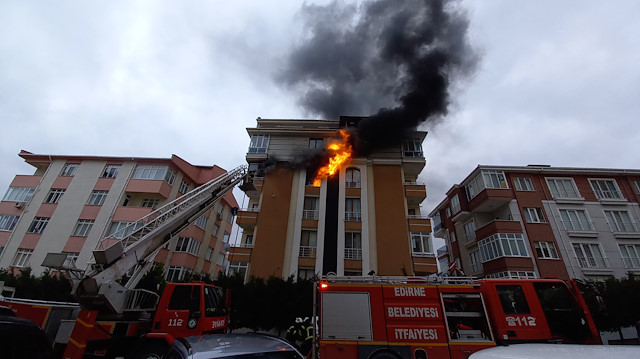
{"x": 444, "y": 317}
{"x": 115, "y": 320}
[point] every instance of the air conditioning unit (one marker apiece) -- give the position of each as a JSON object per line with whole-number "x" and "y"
{"x": 19, "y": 204}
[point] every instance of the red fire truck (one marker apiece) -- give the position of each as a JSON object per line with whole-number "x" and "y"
{"x": 445, "y": 317}
{"x": 114, "y": 320}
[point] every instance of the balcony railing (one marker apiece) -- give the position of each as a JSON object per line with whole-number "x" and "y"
{"x": 623, "y": 227}
{"x": 565, "y": 193}
{"x": 310, "y": 214}
{"x": 352, "y": 216}
{"x": 352, "y": 184}
{"x": 593, "y": 262}
{"x": 631, "y": 262}
{"x": 608, "y": 194}
{"x": 578, "y": 225}
{"x": 307, "y": 252}
{"x": 352, "y": 253}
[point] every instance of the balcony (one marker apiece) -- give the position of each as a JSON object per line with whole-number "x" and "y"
{"x": 489, "y": 199}
{"x": 131, "y": 214}
{"x": 593, "y": 262}
{"x": 498, "y": 226}
{"x": 247, "y": 217}
{"x": 624, "y": 229}
{"x": 352, "y": 216}
{"x": 239, "y": 254}
{"x": 149, "y": 186}
{"x": 253, "y": 188}
{"x": 352, "y": 253}
{"x": 631, "y": 262}
{"x": 415, "y": 192}
{"x": 419, "y": 223}
{"x": 307, "y": 252}
{"x": 310, "y": 214}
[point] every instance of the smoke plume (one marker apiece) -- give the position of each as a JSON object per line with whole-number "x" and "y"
{"x": 391, "y": 60}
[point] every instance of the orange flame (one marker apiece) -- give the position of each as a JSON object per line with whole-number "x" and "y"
{"x": 341, "y": 154}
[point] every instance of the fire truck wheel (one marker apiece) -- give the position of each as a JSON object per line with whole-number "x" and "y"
{"x": 149, "y": 349}
{"x": 384, "y": 354}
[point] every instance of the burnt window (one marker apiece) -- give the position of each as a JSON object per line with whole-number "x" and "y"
{"x": 512, "y": 299}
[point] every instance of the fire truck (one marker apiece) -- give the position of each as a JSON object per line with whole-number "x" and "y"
{"x": 115, "y": 320}
{"x": 444, "y": 317}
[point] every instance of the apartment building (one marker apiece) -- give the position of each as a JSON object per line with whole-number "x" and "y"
{"x": 542, "y": 221}
{"x": 365, "y": 219}
{"x": 71, "y": 202}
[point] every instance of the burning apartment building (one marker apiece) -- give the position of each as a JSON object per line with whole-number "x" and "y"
{"x": 320, "y": 207}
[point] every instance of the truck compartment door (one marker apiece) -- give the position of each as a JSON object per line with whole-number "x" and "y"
{"x": 346, "y": 316}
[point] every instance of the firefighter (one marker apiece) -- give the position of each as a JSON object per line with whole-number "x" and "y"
{"x": 307, "y": 343}
{"x": 295, "y": 333}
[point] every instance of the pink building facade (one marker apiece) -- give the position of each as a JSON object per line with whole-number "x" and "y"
{"x": 70, "y": 202}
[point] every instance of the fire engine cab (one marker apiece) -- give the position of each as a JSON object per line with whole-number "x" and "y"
{"x": 445, "y": 317}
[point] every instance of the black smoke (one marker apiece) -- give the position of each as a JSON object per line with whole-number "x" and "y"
{"x": 394, "y": 61}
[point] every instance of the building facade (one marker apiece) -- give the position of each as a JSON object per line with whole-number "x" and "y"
{"x": 365, "y": 219}
{"x": 71, "y": 202}
{"x": 542, "y": 221}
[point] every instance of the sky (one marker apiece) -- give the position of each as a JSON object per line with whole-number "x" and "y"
{"x": 557, "y": 83}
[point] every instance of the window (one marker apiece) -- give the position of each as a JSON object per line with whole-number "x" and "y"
{"x": 420, "y": 243}
{"x": 220, "y": 260}
{"x": 22, "y": 258}
{"x": 620, "y": 221}
{"x": 201, "y": 222}
{"x": 19, "y": 194}
{"x": 209, "y": 254}
{"x": 97, "y": 198}
{"x": 502, "y": 245}
{"x": 575, "y": 220}
{"x": 54, "y": 196}
{"x": 150, "y": 203}
{"x": 163, "y": 173}
{"x": 453, "y": 237}
{"x": 214, "y": 231}
{"x": 69, "y": 169}
{"x": 248, "y": 241}
{"x": 476, "y": 264}
{"x": 352, "y": 209}
{"x": 563, "y": 188}
{"x": 8, "y": 222}
{"x": 220, "y": 210}
{"x": 513, "y": 275}
{"x": 352, "y": 178}
{"x": 259, "y": 144}
{"x": 184, "y": 187}
{"x": 590, "y": 255}
{"x": 485, "y": 179}
{"x": 637, "y": 183}
{"x": 82, "y": 228}
{"x": 470, "y": 231}
{"x": 187, "y": 244}
{"x": 437, "y": 222}
{"x": 523, "y": 184}
{"x": 513, "y": 299}
{"x": 631, "y": 255}
{"x": 455, "y": 204}
{"x": 546, "y": 250}
{"x": 534, "y": 215}
{"x": 70, "y": 261}
{"x": 310, "y": 209}
{"x": 176, "y": 274}
{"x": 306, "y": 273}
{"x": 38, "y": 225}
{"x": 111, "y": 171}
{"x": 316, "y": 143}
{"x": 308, "y": 243}
{"x": 412, "y": 148}
{"x": 238, "y": 268}
{"x": 606, "y": 189}
{"x": 352, "y": 245}
{"x": 225, "y": 238}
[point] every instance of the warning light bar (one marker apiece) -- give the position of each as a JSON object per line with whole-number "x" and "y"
{"x": 324, "y": 285}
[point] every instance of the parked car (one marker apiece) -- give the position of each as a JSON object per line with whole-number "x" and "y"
{"x": 566, "y": 351}
{"x": 22, "y": 339}
{"x": 236, "y": 346}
